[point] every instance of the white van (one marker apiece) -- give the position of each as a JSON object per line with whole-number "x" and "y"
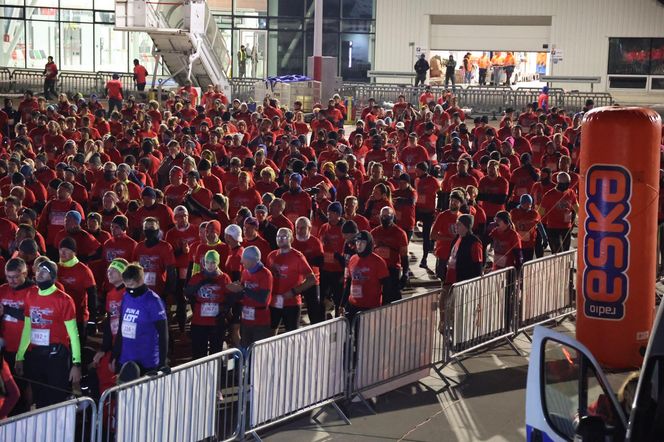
{"x": 568, "y": 397}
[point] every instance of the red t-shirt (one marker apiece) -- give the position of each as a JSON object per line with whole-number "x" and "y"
{"x": 404, "y": 211}
{"x": 427, "y": 189}
{"x": 254, "y": 312}
{"x": 113, "y": 304}
{"x": 297, "y": 205}
{"x": 234, "y": 260}
{"x": 311, "y": 249}
{"x": 280, "y": 221}
{"x": 259, "y": 242}
{"x": 114, "y": 88}
{"x": 237, "y": 198}
{"x": 120, "y": 247}
{"x": 388, "y": 243}
{"x": 209, "y": 298}
{"x": 11, "y": 328}
{"x": 155, "y": 260}
{"x": 140, "y": 73}
{"x": 365, "y": 273}
{"x": 86, "y": 244}
{"x": 504, "y": 245}
{"x": 333, "y": 242}
{"x": 76, "y": 280}
{"x": 48, "y": 315}
{"x": 559, "y": 208}
{"x": 177, "y": 239}
{"x": 522, "y": 182}
{"x": 444, "y": 225}
{"x": 411, "y": 155}
{"x": 288, "y": 270}
{"x": 498, "y": 186}
{"x": 525, "y": 222}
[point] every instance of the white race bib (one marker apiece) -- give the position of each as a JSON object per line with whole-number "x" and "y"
{"x": 8, "y": 318}
{"x": 129, "y": 330}
{"x": 150, "y": 278}
{"x": 58, "y": 218}
{"x": 279, "y": 301}
{"x": 356, "y": 291}
{"x": 248, "y": 313}
{"x": 209, "y": 309}
{"x": 115, "y": 322}
{"x": 40, "y": 336}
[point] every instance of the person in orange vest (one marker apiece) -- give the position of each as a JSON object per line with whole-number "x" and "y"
{"x": 483, "y": 64}
{"x": 497, "y": 64}
{"x": 509, "y": 64}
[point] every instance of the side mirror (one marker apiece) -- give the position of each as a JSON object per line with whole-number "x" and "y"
{"x": 590, "y": 429}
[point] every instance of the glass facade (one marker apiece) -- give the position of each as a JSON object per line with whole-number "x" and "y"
{"x": 277, "y": 35}
{"x": 77, "y": 33}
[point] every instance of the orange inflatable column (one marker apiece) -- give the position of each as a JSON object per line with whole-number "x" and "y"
{"x": 618, "y": 233}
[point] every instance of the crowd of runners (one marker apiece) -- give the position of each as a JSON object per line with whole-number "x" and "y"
{"x": 132, "y": 219}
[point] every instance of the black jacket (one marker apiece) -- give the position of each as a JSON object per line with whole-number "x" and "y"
{"x": 422, "y": 66}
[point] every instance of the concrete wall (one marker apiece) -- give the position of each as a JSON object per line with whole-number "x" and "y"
{"x": 581, "y": 28}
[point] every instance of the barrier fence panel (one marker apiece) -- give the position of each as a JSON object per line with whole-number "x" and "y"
{"x": 24, "y": 79}
{"x": 547, "y": 289}
{"x": 296, "y": 372}
{"x": 243, "y": 88}
{"x": 198, "y": 400}
{"x": 396, "y": 340}
{"x": 64, "y": 422}
{"x": 479, "y": 312}
{"x": 5, "y": 80}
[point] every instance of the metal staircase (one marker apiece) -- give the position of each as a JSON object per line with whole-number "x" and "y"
{"x": 186, "y": 37}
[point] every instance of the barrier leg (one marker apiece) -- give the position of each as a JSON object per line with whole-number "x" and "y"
{"x": 334, "y": 405}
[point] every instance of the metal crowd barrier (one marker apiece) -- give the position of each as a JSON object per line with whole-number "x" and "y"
{"x": 547, "y": 290}
{"x": 65, "y": 422}
{"x": 479, "y": 312}
{"x": 297, "y": 372}
{"x": 5, "y": 80}
{"x": 198, "y": 400}
{"x": 243, "y": 88}
{"x": 393, "y": 342}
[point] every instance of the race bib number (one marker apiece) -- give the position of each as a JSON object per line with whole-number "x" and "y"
{"x": 58, "y": 219}
{"x": 279, "y": 301}
{"x": 115, "y": 322}
{"x": 129, "y": 330}
{"x": 356, "y": 291}
{"x": 525, "y": 236}
{"x": 500, "y": 260}
{"x": 150, "y": 278}
{"x": 209, "y": 309}
{"x": 248, "y": 313}
{"x": 328, "y": 258}
{"x": 40, "y": 336}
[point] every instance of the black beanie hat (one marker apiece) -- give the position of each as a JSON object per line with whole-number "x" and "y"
{"x": 121, "y": 221}
{"x": 68, "y": 243}
{"x": 365, "y": 236}
{"x": 467, "y": 220}
{"x": 349, "y": 227}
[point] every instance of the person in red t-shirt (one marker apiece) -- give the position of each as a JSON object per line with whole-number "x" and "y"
{"x": 558, "y": 210}
{"x": 157, "y": 259}
{"x": 255, "y": 292}
{"x": 112, "y": 303}
{"x": 114, "y": 94}
{"x": 527, "y": 223}
{"x": 207, "y": 293}
{"x": 493, "y": 190}
{"x": 181, "y": 237}
{"x": 312, "y": 249}
{"x": 292, "y": 276}
{"x": 252, "y": 237}
{"x": 506, "y": 242}
{"x": 367, "y": 278}
{"x": 79, "y": 283}
{"x": 140, "y": 75}
{"x": 443, "y": 232}
{"x": 331, "y": 274}
{"x": 404, "y": 198}
{"x": 391, "y": 244}
{"x": 427, "y": 190}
